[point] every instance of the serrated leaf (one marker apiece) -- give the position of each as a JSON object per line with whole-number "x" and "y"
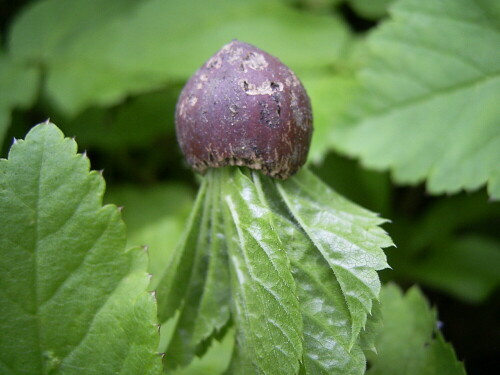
{"x": 428, "y": 110}
{"x": 406, "y": 343}
{"x": 326, "y": 317}
{"x": 139, "y": 46}
{"x": 72, "y": 300}
{"x": 18, "y": 85}
{"x": 206, "y": 307}
{"x": 347, "y": 236}
{"x": 327, "y": 321}
{"x": 289, "y": 305}
{"x": 265, "y": 304}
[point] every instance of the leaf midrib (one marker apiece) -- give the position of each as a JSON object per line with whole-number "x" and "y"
{"x": 35, "y": 252}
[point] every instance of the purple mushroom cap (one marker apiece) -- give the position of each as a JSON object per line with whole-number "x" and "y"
{"x": 244, "y": 107}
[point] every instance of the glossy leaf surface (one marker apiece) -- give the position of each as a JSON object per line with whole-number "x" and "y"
{"x": 295, "y": 306}
{"x": 347, "y": 236}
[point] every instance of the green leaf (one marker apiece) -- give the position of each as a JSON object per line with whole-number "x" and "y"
{"x": 135, "y": 47}
{"x": 348, "y": 238}
{"x": 409, "y": 342}
{"x": 429, "y": 108}
{"x": 72, "y": 300}
{"x": 293, "y": 311}
{"x": 214, "y": 307}
{"x": 327, "y": 321}
{"x": 206, "y": 306}
{"x": 18, "y": 89}
{"x": 43, "y": 16}
{"x": 265, "y": 303}
{"x": 327, "y": 328}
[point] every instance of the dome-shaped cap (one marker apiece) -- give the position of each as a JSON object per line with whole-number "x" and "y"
{"x": 244, "y": 107}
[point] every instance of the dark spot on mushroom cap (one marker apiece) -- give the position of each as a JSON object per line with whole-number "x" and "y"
{"x": 244, "y": 107}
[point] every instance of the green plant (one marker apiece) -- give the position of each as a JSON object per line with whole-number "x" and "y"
{"x": 264, "y": 271}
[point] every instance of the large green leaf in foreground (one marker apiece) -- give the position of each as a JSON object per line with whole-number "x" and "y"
{"x": 429, "y": 108}
{"x": 409, "y": 342}
{"x": 72, "y": 300}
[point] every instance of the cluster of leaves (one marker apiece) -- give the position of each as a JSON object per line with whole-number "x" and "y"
{"x": 298, "y": 278}
{"x": 414, "y": 96}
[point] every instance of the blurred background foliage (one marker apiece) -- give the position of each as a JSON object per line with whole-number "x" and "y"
{"x": 109, "y": 73}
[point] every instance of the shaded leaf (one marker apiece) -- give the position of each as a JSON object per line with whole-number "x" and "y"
{"x": 406, "y": 344}
{"x": 452, "y": 250}
{"x": 428, "y": 110}
{"x": 467, "y": 268}
{"x": 71, "y": 299}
